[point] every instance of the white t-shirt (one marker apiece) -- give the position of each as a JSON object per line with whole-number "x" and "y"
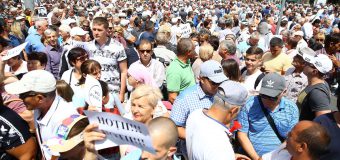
{"x": 69, "y": 77}
{"x": 249, "y": 82}
{"x": 278, "y": 154}
{"x": 207, "y": 138}
{"x": 21, "y": 69}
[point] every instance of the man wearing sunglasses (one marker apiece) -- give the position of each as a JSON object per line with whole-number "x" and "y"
{"x": 37, "y": 89}
{"x": 266, "y": 119}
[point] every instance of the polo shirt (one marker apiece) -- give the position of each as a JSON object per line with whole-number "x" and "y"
{"x": 207, "y": 138}
{"x": 109, "y": 56}
{"x": 34, "y": 43}
{"x": 188, "y": 101}
{"x": 46, "y": 126}
{"x": 256, "y": 125}
{"x": 179, "y": 76}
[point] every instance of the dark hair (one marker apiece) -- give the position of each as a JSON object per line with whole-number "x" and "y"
{"x": 184, "y": 46}
{"x": 316, "y": 138}
{"x": 144, "y": 41}
{"x": 231, "y": 69}
{"x": 193, "y": 35}
{"x": 88, "y": 67}
{"x": 137, "y": 21}
{"x": 255, "y": 51}
{"x": 214, "y": 41}
{"x": 75, "y": 53}
{"x": 64, "y": 90}
{"x": 292, "y": 42}
{"x": 275, "y": 41}
{"x": 332, "y": 38}
{"x": 105, "y": 87}
{"x": 3, "y": 42}
{"x": 206, "y": 23}
{"x": 149, "y": 26}
{"x": 101, "y": 21}
{"x": 39, "y": 56}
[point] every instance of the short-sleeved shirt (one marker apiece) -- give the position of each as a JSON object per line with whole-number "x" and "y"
{"x": 109, "y": 56}
{"x": 14, "y": 131}
{"x": 296, "y": 82}
{"x": 256, "y": 125}
{"x": 207, "y": 138}
{"x": 34, "y": 43}
{"x": 313, "y": 99}
{"x": 277, "y": 64}
{"x": 179, "y": 76}
{"x": 188, "y": 101}
{"x": 330, "y": 124}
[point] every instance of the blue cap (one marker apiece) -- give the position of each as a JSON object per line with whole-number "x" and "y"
{"x": 213, "y": 70}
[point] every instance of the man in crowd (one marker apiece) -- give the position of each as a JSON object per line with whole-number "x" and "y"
{"x": 259, "y": 134}
{"x": 53, "y": 51}
{"x": 34, "y": 39}
{"x": 111, "y": 55}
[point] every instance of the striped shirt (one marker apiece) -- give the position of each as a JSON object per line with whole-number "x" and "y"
{"x": 256, "y": 125}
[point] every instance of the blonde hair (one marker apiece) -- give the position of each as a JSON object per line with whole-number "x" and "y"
{"x": 320, "y": 35}
{"x": 206, "y": 52}
{"x": 152, "y": 94}
{"x": 120, "y": 30}
{"x": 16, "y": 29}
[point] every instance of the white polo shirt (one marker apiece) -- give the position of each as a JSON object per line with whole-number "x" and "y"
{"x": 207, "y": 138}
{"x": 46, "y": 126}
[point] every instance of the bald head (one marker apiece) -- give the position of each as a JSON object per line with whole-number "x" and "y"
{"x": 164, "y": 130}
{"x": 314, "y": 135}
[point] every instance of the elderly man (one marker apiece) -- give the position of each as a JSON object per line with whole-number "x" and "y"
{"x": 37, "y": 89}
{"x": 227, "y": 50}
{"x": 298, "y": 35}
{"x": 251, "y": 42}
{"x": 34, "y": 39}
{"x": 212, "y": 123}
{"x": 266, "y": 119}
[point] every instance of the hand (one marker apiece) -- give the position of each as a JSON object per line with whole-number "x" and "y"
{"x": 3, "y": 53}
{"x": 241, "y": 157}
{"x": 90, "y": 136}
{"x": 92, "y": 108}
{"x": 121, "y": 98}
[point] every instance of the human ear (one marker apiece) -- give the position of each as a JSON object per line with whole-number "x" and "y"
{"x": 172, "y": 151}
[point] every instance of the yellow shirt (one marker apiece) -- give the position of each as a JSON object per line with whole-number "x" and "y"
{"x": 279, "y": 64}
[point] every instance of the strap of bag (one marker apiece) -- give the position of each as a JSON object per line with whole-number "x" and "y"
{"x": 271, "y": 121}
{"x": 258, "y": 80}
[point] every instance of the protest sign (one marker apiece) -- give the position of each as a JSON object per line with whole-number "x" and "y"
{"x": 42, "y": 12}
{"x": 119, "y": 131}
{"x": 14, "y": 51}
{"x": 185, "y": 30}
{"x": 93, "y": 92}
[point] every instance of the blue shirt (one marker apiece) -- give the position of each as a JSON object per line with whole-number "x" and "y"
{"x": 188, "y": 101}
{"x": 34, "y": 43}
{"x": 256, "y": 125}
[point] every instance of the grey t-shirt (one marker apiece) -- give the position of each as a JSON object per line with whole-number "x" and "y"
{"x": 312, "y": 99}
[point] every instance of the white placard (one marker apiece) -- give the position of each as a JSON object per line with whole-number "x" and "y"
{"x": 42, "y": 12}
{"x": 14, "y": 51}
{"x": 119, "y": 131}
{"x": 94, "y": 94}
{"x": 185, "y": 30}
{"x": 80, "y": 44}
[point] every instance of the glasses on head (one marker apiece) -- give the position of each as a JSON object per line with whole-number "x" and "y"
{"x": 83, "y": 58}
{"x": 269, "y": 98}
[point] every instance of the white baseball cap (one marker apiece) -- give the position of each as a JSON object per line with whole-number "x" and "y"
{"x": 321, "y": 62}
{"x": 298, "y": 33}
{"x": 40, "y": 81}
{"x": 77, "y": 31}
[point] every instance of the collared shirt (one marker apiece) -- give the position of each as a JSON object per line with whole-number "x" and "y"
{"x": 207, "y": 138}
{"x": 34, "y": 43}
{"x": 156, "y": 69}
{"x": 109, "y": 56}
{"x": 188, "y": 101}
{"x": 164, "y": 55}
{"x": 256, "y": 126}
{"x": 296, "y": 82}
{"x": 179, "y": 76}
{"x": 53, "y": 60}
{"x": 46, "y": 126}
{"x": 277, "y": 64}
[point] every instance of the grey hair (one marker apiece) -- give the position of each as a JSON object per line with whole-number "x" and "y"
{"x": 229, "y": 46}
{"x": 221, "y": 103}
{"x": 162, "y": 38}
{"x": 255, "y": 35}
{"x": 39, "y": 22}
{"x": 49, "y": 32}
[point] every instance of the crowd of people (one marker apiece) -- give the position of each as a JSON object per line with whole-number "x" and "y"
{"x": 210, "y": 79}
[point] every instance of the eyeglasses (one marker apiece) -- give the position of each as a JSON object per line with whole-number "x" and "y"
{"x": 27, "y": 94}
{"x": 269, "y": 98}
{"x": 320, "y": 40}
{"x": 83, "y": 58}
{"x": 147, "y": 51}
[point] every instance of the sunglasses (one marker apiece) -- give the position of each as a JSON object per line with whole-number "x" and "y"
{"x": 27, "y": 94}
{"x": 83, "y": 58}
{"x": 147, "y": 51}
{"x": 320, "y": 40}
{"x": 269, "y": 98}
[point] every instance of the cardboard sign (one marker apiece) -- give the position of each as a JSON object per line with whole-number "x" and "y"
{"x": 119, "y": 131}
{"x": 94, "y": 92}
{"x": 14, "y": 51}
{"x": 185, "y": 30}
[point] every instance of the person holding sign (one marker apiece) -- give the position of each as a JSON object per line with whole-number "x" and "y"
{"x": 163, "y": 133}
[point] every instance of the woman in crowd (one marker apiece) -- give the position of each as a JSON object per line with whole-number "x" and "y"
{"x": 231, "y": 70}
{"x": 16, "y": 36}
